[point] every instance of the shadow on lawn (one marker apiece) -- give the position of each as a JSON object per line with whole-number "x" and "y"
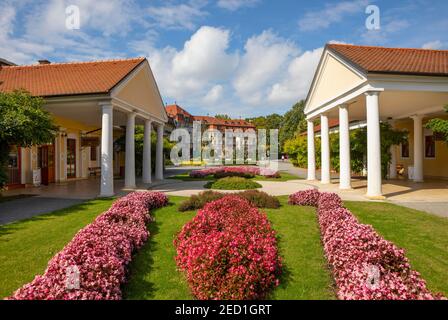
{"x": 143, "y": 263}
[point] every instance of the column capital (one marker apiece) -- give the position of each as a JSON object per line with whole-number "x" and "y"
{"x": 417, "y": 116}
{"x": 373, "y": 92}
{"x": 343, "y": 106}
{"x": 131, "y": 114}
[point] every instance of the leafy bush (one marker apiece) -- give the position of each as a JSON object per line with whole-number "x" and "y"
{"x": 101, "y": 252}
{"x": 229, "y": 252}
{"x": 220, "y": 175}
{"x": 260, "y": 199}
{"x": 257, "y": 198}
{"x": 365, "y": 266}
{"x": 233, "y": 183}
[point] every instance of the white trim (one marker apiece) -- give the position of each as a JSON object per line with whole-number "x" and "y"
{"x": 342, "y": 99}
{"x": 319, "y": 71}
{"x": 116, "y": 90}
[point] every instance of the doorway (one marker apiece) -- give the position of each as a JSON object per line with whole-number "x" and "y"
{"x": 46, "y": 163}
{"x": 71, "y": 158}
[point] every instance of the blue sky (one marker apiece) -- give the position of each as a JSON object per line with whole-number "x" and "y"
{"x": 241, "y": 57}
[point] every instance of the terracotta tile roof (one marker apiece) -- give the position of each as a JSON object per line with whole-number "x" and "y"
{"x": 73, "y": 78}
{"x": 174, "y": 110}
{"x": 332, "y": 123}
{"x": 222, "y": 122}
{"x": 395, "y": 60}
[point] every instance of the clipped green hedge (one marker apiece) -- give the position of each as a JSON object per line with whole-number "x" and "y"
{"x": 257, "y": 198}
{"x": 233, "y": 183}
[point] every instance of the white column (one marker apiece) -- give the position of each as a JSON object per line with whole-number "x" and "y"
{"x": 344, "y": 149}
{"x": 107, "y": 174}
{"x": 325, "y": 153}
{"x": 374, "y": 188}
{"x": 129, "y": 175}
{"x": 418, "y": 148}
{"x": 159, "y": 153}
{"x": 147, "y": 152}
{"x": 311, "y": 152}
{"x": 393, "y": 162}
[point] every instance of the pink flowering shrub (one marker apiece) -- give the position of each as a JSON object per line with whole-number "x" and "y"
{"x": 365, "y": 266}
{"x": 100, "y": 252}
{"x": 266, "y": 172}
{"x": 229, "y": 252}
{"x": 305, "y": 198}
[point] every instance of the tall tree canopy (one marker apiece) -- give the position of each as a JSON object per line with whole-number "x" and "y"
{"x": 23, "y": 122}
{"x": 294, "y": 121}
{"x": 222, "y": 117}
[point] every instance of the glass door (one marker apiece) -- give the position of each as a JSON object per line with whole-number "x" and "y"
{"x": 71, "y": 158}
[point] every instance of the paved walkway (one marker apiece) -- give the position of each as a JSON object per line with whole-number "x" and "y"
{"x": 431, "y": 196}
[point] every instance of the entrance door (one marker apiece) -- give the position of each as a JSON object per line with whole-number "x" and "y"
{"x": 71, "y": 158}
{"x": 13, "y": 168}
{"x": 46, "y": 164}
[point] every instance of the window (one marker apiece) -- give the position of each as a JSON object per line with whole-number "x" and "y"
{"x": 405, "y": 150}
{"x": 92, "y": 153}
{"x": 430, "y": 146}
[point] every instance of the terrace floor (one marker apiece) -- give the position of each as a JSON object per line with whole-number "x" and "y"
{"x": 430, "y": 196}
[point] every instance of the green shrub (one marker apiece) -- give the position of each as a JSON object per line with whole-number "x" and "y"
{"x": 259, "y": 199}
{"x": 233, "y": 183}
{"x": 220, "y": 175}
{"x": 196, "y": 202}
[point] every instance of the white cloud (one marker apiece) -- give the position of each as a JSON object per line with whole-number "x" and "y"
{"x": 332, "y": 13}
{"x": 214, "y": 95}
{"x": 296, "y": 83}
{"x": 266, "y": 57}
{"x": 178, "y": 16}
{"x": 436, "y": 45}
{"x": 233, "y": 5}
{"x": 388, "y": 28}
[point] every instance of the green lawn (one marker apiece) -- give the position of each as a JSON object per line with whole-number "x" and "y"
{"x": 423, "y": 236}
{"x": 284, "y": 176}
{"x": 27, "y": 246}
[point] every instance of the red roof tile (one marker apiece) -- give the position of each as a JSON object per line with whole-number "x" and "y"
{"x": 73, "y": 78}
{"x": 174, "y": 110}
{"x": 395, "y": 60}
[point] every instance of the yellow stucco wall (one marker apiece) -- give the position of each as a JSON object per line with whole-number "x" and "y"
{"x": 432, "y": 168}
{"x": 142, "y": 92}
{"x": 335, "y": 79}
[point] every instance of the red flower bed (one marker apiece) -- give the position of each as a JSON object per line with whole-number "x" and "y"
{"x": 240, "y": 169}
{"x": 305, "y": 198}
{"x": 229, "y": 252}
{"x": 365, "y": 266}
{"x": 99, "y": 253}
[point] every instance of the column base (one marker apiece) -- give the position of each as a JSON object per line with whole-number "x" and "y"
{"x": 130, "y": 187}
{"x": 380, "y": 197}
{"x": 345, "y": 188}
{"x": 106, "y": 195}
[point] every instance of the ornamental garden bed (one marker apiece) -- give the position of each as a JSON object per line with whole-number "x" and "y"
{"x": 233, "y": 183}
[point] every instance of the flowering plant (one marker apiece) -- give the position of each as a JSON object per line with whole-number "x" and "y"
{"x": 365, "y": 266}
{"x": 266, "y": 172}
{"x": 99, "y": 252}
{"x": 229, "y": 252}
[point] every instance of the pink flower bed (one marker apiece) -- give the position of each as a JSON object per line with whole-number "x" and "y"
{"x": 100, "y": 252}
{"x": 229, "y": 252}
{"x": 270, "y": 173}
{"x": 365, "y": 266}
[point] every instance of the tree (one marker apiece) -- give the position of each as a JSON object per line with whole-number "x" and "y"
{"x": 120, "y": 144}
{"x": 294, "y": 121}
{"x": 297, "y": 148}
{"x": 439, "y": 126}
{"x": 23, "y": 122}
